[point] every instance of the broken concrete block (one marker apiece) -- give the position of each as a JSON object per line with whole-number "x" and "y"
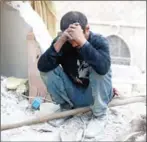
{"x": 48, "y": 108}
{"x": 13, "y": 82}
{"x": 22, "y": 89}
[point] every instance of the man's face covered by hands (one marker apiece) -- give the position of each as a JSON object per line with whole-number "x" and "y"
{"x": 76, "y": 35}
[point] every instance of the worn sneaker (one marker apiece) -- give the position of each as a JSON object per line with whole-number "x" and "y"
{"x": 96, "y": 126}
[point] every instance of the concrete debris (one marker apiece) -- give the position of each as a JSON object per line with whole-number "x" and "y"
{"x": 141, "y": 138}
{"x": 137, "y": 130}
{"x": 139, "y": 124}
{"x": 12, "y": 83}
{"x": 79, "y": 135}
{"x": 48, "y": 108}
{"x": 59, "y": 122}
{"x": 22, "y": 88}
{"x": 121, "y": 119}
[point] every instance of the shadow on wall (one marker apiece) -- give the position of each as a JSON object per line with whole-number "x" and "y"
{"x": 119, "y": 50}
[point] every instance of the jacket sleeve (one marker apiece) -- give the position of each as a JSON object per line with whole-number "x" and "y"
{"x": 97, "y": 55}
{"x": 49, "y": 60}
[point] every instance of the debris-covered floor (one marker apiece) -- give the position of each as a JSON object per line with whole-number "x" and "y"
{"x": 16, "y": 108}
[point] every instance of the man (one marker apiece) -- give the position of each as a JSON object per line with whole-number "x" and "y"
{"x": 76, "y": 68}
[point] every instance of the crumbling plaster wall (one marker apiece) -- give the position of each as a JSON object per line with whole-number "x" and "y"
{"x": 13, "y": 43}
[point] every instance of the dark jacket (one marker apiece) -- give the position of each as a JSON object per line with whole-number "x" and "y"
{"x": 95, "y": 53}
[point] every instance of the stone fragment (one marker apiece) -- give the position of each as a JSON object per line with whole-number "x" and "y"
{"x": 12, "y": 82}
{"x": 22, "y": 89}
{"x": 48, "y": 108}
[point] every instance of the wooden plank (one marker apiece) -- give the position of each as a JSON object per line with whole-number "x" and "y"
{"x": 57, "y": 115}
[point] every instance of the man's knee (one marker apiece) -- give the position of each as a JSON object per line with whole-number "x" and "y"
{"x": 54, "y": 84}
{"x": 101, "y": 85}
{"x": 51, "y": 75}
{"x": 94, "y": 76}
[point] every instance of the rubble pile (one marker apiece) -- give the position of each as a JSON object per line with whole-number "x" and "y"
{"x": 124, "y": 122}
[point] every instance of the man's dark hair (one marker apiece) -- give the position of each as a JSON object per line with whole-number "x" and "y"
{"x": 73, "y": 17}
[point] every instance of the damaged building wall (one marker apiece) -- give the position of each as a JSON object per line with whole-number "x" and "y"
{"x": 13, "y": 43}
{"x": 124, "y": 19}
{"x": 134, "y": 38}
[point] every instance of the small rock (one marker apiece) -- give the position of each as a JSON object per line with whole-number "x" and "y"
{"x": 138, "y": 124}
{"x": 48, "y": 108}
{"x": 21, "y": 89}
{"x": 12, "y": 83}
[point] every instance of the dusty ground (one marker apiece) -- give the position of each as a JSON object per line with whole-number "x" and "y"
{"x": 15, "y": 108}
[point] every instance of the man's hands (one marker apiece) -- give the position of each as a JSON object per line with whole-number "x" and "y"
{"x": 73, "y": 33}
{"x": 76, "y": 33}
{"x": 65, "y": 35}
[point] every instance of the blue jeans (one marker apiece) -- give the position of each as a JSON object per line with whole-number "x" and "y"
{"x": 62, "y": 90}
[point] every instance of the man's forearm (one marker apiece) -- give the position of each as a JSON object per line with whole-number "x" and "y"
{"x": 98, "y": 59}
{"x": 59, "y": 43}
